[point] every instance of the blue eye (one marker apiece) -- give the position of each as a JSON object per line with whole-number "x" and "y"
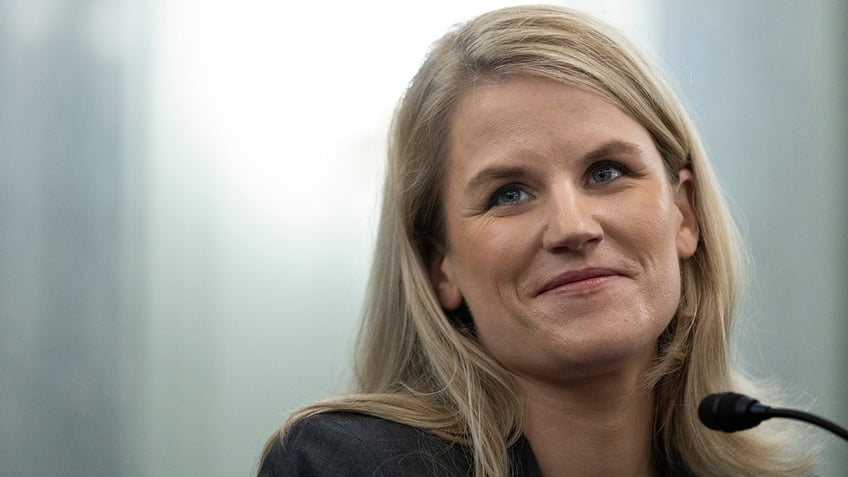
{"x": 605, "y": 173}
{"x": 508, "y": 195}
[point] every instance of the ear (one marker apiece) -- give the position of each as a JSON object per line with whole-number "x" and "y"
{"x": 442, "y": 279}
{"x": 689, "y": 232}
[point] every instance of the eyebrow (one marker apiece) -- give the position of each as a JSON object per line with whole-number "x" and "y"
{"x": 613, "y": 148}
{"x": 496, "y": 173}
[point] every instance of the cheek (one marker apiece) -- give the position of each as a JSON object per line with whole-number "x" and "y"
{"x": 664, "y": 278}
{"x": 653, "y": 225}
{"x": 493, "y": 260}
{"x": 491, "y": 255}
{"x": 652, "y": 240}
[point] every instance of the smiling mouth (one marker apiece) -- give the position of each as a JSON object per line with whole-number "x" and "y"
{"x": 581, "y": 281}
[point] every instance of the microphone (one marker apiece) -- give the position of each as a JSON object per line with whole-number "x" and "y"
{"x": 731, "y": 412}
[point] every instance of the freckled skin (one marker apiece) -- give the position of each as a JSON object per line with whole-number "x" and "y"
{"x": 566, "y": 207}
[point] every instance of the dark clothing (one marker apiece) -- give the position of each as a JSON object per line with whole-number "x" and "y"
{"x": 356, "y": 445}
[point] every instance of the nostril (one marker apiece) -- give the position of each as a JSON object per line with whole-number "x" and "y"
{"x": 577, "y": 237}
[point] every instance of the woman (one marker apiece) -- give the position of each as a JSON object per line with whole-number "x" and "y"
{"x": 554, "y": 280}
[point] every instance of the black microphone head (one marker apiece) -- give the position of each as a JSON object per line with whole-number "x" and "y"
{"x": 708, "y": 411}
{"x": 731, "y": 412}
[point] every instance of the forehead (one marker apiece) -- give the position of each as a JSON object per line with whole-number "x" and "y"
{"x": 538, "y": 116}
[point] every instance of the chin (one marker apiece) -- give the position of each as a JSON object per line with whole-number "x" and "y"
{"x": 584, "y": 361}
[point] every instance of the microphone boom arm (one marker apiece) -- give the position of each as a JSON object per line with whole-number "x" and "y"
{"x": 809, "y": 418}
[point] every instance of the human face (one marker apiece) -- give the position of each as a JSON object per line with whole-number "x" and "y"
{"x": 563, "y": 230}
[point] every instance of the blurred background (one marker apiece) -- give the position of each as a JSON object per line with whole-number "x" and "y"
{"x": 189, "y": 194}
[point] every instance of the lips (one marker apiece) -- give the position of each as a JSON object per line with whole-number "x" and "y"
{"x": 587, "y": 278}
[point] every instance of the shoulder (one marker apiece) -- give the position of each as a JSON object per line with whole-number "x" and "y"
{"x": 345, "y": 443}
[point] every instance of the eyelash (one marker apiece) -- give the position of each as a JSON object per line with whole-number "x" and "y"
{"x": 594, "y": 168}
{"x": 622, "y": 170}
{"x": 511, "y": 187}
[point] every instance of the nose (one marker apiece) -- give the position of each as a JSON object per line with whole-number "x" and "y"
{"x": 572, "y": 220}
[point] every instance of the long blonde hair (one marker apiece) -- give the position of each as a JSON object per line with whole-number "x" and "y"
{"x": 417, "y": 365}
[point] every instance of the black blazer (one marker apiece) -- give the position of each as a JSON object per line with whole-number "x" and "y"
{"x": 356, "y": 445}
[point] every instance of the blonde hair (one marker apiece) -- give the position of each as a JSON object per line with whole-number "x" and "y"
{"x": 417, "y": 365}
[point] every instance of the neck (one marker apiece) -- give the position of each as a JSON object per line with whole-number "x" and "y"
{"x": 598, "y": 426}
